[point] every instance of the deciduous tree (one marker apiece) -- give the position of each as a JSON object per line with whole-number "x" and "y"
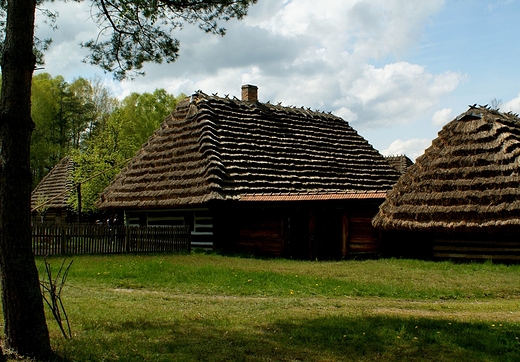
{"x": 65, "y": 116}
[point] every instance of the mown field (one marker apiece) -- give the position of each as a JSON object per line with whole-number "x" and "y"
{"x": 201, "y": 307}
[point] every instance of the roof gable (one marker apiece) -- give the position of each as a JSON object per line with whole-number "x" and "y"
{"x": 467, "y": 180}
{"x": 213, "y": 148}
{"x": 400, "y": 163}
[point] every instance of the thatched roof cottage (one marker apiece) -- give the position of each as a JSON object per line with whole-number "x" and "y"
{"x": 461, "y": 199}
{"x": 49, "y": 199}
{"x": 257, "y": 177}
{"x": 401, "y": 163}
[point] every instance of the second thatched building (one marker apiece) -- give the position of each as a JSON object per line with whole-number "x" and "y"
{"x": 461, "y": 198}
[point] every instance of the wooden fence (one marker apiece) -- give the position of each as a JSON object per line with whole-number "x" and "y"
{"x": 99, "y": 239}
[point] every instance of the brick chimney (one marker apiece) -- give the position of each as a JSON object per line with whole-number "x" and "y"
{"x": 250, "y": 93}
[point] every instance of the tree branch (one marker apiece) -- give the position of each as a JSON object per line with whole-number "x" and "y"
{"x": 142, "y": 31}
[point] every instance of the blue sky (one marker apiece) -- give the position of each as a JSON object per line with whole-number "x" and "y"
{"x": 479, "y": 40}
{"x": 396, "y": 70}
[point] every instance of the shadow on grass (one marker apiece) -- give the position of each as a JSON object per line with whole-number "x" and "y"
{"x": 321, "y": 339}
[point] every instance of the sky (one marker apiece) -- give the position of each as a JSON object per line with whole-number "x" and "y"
{"x": 395, "y": 70}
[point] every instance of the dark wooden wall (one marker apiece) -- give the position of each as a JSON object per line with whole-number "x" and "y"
{"x": 363, "y": 238}
{"x": 498, "y": 247}
{"x": 259, "y": 231}
{"x": 407, "y": 244}
{"x": 299, "y": 230}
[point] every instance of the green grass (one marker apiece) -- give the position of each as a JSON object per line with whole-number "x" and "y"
{"x": 215, "y": 308}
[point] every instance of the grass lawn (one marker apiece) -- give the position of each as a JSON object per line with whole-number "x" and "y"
{"x": 201, "y": 307}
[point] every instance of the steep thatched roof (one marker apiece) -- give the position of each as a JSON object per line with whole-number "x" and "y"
{"x": 400, "y": 163}
{"x": 468, "y": 180}
{"x": 54, "y": 189}
{"x": 213, "y": 148}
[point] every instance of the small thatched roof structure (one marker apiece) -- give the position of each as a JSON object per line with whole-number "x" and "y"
{"x": 214, "y": 148}
{"x": 400, "y": 163}
{"x": 468, "y": 180}
{"x": 54, "y": 189}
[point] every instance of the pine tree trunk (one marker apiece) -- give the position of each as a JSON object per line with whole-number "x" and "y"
{"x": 25, "y": 326}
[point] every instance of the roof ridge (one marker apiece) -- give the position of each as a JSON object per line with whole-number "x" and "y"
{"x": 278, "y": 106}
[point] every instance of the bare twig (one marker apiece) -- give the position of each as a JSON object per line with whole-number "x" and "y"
{"x": 51, "y": 292}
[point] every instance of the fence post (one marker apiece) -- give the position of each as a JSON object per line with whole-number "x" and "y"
{"x": 63, "y": 232}
{"x": 188, "y": 238}
{"x": 127, "y": 239}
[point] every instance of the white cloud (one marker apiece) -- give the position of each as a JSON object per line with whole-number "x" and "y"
{"x": 440, "y": 118}
{"x": 339, "y": 56}
{"x": 371, "y": 28}
{"x": 492, "y": 6}
{"x": 389, "y": 26}
{"x": 398, "y": 93}
{"x": 512, "y": 106}
{"x": 412, "y": 148}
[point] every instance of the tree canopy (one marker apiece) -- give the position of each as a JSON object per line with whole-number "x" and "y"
{"x": 142, "y": 31}
{"x": 66, "y": 116}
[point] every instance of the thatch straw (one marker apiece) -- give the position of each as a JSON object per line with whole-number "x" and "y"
{"x": 400, "y": 163}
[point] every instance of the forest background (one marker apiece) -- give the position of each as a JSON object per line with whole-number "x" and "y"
{"x": 83, "y": 120}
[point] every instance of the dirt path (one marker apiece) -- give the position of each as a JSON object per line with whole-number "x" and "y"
{"x": 489, "y": 309}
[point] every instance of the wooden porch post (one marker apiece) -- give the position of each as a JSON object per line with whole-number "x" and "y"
{"x": 312, "y": 235}
{"x": 344, "y": 235}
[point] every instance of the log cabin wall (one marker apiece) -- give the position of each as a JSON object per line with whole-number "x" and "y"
{"x": 497, "y": 247}
{"x": 251, "y": 230}
{"x": 199, "y": 220}
{"x": 362, "y": 237}
{"x": 307, "y": 231}
{"x": 52, "y": 216}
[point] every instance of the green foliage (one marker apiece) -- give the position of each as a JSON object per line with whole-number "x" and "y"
{"x": 115, "y": 141}
{"x": 82, "y": 119}
{"x": 89, "y": 105}
{"x": 141, "y": 31}
{"x": 48, "y": 144}
{"x": 65, "y": 116}
{"x": 138, "y": 116}
{"x": 94, "y": 170}
{"x": 42, "y": 206}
